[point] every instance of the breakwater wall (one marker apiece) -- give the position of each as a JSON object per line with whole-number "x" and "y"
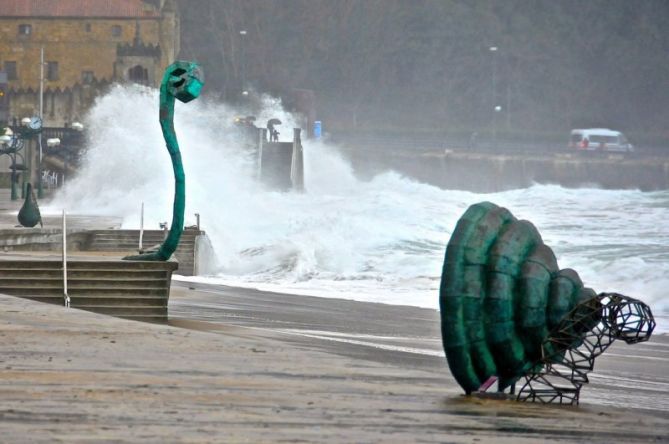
{"x": 485, "y": 172}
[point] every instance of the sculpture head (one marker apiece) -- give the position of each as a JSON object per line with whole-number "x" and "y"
{"x": 629, "y": 319}
{"x": 183, "y": 80}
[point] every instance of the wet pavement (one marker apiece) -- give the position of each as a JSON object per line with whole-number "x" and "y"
{"x": 407, "y": 336}
{"x": 73, "y": 376}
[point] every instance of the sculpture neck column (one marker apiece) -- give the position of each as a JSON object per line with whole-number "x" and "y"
{"x": 167, "y": 125}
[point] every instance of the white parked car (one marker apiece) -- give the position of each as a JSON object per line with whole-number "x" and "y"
{"x": 599, "y": 139}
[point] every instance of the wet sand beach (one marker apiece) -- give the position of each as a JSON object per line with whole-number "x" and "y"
{"x": 239, "y": 365}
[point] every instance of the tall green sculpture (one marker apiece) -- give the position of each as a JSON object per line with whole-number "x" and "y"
{"x": 508, "y": 311}
{"x": 182, "y": 81}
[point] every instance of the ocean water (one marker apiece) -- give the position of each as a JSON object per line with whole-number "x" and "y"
{"x": 379, "y": 240}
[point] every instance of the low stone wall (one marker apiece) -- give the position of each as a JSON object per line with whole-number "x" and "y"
{"x": 40, "y": 239}
{"x": 483, "y": 172}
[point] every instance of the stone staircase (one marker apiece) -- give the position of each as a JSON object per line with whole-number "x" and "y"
{"x": 127, "y": 289}
{"x": 127, "y": 242}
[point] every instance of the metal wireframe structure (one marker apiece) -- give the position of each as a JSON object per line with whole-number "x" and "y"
{"x": 569, "y": 352}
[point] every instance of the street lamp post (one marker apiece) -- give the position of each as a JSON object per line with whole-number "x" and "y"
{"x": 242, "y": 33}
{"x": 6, "y": 140}
{"x": 40, "y": 190}
{"x": 495, "y": 110}
{"x": 12, "y": 145}
{"x": 55, "y": 143}
{"x": 67, "y": 151}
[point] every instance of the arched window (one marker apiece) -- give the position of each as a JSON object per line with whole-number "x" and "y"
{"x": 138, "y": 74}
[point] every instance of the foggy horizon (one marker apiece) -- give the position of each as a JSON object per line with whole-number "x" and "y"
{"x": 443, "y": 66}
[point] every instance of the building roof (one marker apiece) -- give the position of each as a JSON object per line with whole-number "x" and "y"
{"x": 77, "y": 8}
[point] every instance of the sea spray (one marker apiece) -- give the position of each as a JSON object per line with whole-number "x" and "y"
{"x": 379, "y": 240}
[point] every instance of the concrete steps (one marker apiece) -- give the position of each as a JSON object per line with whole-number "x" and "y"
{"x": 122, "y": 242}
{"x": 127, "y": 289}
{"x": 127, "y": 241}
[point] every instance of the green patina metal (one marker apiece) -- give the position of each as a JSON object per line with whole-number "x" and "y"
{"x": 501, "y": 295}
{"x": 182, "y": 81}
{"x": 29, "y": 214}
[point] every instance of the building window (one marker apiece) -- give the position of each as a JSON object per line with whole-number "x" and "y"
{"x": 88, "y": 27}
{"x": 10, "y": 69}
{"x": 116, "y": 31}
{"x": 25, "y": 29}
{"x": 86, "y": 77}
{"x": 138, "y": 74}
{"x": 52, "y": 70}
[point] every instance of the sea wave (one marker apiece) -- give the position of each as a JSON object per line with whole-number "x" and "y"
{"x": 378, "y": 240}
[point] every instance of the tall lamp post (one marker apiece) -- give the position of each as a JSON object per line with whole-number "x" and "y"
{"x": 55, "y": 143}
{"x": 67, "y": 152}
{"x": 6, "y": 140}
{"x": 495, "y": 107}
{"x": 40, "y": 190}
{"x": 32, "y": 126}
{"x": 11, "y": 144}
{"x": 242, "y": 34}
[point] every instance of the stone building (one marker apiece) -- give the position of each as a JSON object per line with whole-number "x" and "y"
{"x": 88, "y": 44}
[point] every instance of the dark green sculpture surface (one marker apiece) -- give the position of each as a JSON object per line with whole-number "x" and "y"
{"x": 182, "y": 81}
{"x": 501, "y": 294}
{"x": 29, "y": 214}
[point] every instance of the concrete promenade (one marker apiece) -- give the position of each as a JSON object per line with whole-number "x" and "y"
{"x": 9, "y": 210}
{"x": 73, "y": 376}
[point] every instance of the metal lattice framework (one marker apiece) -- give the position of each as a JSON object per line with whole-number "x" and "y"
{"x": 569, "y": 352}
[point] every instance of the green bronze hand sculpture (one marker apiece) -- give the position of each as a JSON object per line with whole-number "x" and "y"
{"x": 182, "y": 81}
{"x": 509, "y": 313}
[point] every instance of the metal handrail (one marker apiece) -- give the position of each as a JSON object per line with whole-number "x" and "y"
{"x": 66, "y": 297}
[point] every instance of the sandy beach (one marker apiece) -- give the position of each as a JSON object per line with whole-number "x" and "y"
{"x": 238, "y": 365}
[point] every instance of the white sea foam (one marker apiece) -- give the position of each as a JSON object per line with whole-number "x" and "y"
{"x": 379, "y": 240}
